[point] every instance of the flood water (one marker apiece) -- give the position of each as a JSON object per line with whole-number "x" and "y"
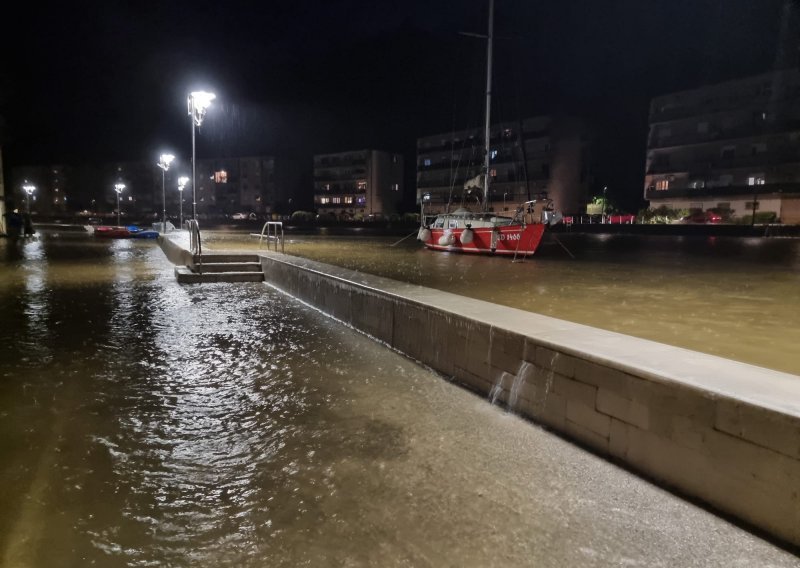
{"x": 145, "y": 423}
{"x": 738, "y": 298}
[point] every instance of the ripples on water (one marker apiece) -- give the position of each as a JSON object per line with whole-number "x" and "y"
{"x": 734, "y": 297}
{"x": 144, "y": 423}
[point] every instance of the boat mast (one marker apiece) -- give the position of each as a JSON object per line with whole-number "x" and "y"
{"x": 487, "y": 133}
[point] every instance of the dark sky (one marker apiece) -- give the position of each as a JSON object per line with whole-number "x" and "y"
{"x": 97, "y": 81}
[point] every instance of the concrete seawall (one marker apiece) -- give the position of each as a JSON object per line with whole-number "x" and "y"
{"x": 722, "y": 432}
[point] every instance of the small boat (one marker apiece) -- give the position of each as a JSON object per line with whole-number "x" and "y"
{"x": 127, "y": 232}
{"x": 111, "y": 232}
{"x": 483, "y": 231}
{"x": 145, "y": 234}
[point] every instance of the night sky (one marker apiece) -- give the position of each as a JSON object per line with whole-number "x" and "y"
{"x": 84, "y": 82}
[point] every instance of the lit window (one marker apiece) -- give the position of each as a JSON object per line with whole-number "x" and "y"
{"x": 324, "y": 200}
{"x": 336, "y": 200}
{"x": 395, "y": 187}
{"x": 361, "y": 200}
{"x": 221, "y": 176}
{"x": 757, "y": 179}
{"x": 326, "y": 187}
{"x": 348, "y": 199}
{"x": 426, "y": 162}
{"x": 362, "y": 186}
{"x": 662, "y": 184}
{"x": 492, "y": 154}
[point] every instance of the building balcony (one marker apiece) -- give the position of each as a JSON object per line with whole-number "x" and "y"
{"x": 705, "y": 167}
{"x": 709, "y": 192}
{"x": 756, "y": 130}
{"x": 700, "y": 108}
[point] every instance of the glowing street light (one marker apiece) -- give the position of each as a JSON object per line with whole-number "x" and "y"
{"x": 198, "y": 103}
{"x": 182, "y": 181}
{"x": 163, "y": 162}
{"x": 28, "y": 189}
{"x": 118, "y": 188}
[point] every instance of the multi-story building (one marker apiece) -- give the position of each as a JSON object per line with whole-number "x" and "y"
{"x": 362, "y": 184}
{"x": 732, "y": 146}
{"x": 63, "y": 188}
{"x": 254, "y": 184}
{"x": 546, "y": 154}
{"x": 260, "y": 185}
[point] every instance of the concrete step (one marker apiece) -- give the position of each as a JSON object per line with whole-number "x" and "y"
{"x": 214, "y": 258}
{"x": 186, "y": 276}
{"x": 229, "y": 266}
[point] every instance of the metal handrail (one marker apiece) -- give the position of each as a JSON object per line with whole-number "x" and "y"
{"x": 195, "y": 246}
{"x": 266, "y": 232}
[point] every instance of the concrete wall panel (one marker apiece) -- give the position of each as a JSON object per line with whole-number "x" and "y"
{"x": 720, "y": 431}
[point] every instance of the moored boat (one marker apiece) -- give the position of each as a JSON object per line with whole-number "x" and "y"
{"x": 119, "y": 232}
{"x": 484, "y": 231}
{"x": 111, "y": 232}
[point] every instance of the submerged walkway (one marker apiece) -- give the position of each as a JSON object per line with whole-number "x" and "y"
{"x": 555, "y": 475}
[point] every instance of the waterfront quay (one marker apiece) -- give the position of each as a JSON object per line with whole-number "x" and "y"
{"x": 693, "y": 421}
{"x": 151, "y": 423}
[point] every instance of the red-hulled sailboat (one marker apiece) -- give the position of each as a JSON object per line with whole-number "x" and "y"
{"x": 483, "y": 231}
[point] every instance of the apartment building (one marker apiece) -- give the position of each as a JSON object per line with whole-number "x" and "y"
{"x": 545, "y": 154}
{"x": 360, "y": 184}
{"x": 731, "y": 146}
{"x": 253, "y": 184}
{"x": 256, "y": 184}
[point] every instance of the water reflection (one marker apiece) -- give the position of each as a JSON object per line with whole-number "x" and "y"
{"x": 734, "y": 297}
{"x": 225, "y": 425}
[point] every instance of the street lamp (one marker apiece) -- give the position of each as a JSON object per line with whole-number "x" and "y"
{"x": 118, "y": 188}
{"x": 29, "y": 189}
{"x": 182, "y": 181}
{"x": 163, "y": 162}
{"x": 198, "y": 103}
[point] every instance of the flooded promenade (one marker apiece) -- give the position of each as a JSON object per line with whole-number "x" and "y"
{"x": 145, "y": 423}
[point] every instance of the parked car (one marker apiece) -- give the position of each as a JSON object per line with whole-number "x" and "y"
{"x": 244, "y": 216}
{"x": 701, "y": 217}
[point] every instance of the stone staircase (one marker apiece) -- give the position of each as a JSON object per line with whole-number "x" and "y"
{"x": 221, "y": 267}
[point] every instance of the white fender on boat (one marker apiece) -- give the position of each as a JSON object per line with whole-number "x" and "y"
{"x": 494, "y": 239}
{"x": 447, "y": 239}
{"x": 467, "y": 235}
{"x": 424, "y": 234}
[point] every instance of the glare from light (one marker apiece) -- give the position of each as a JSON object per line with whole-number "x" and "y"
{"x": 198, "y": 103}
{"x": 165, "y": 160}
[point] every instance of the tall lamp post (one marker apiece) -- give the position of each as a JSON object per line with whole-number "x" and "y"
{"x": 182, "y": 181}
{"x": 28, "y": 189}
{"x": 118, "y": 188}
{"x": 198, "y": 103}
{"x": 163, "y": 162}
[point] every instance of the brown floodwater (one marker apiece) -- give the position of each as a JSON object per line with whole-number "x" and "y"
{"x": 146, "y": 423}
{"x": 738, "y": 298}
